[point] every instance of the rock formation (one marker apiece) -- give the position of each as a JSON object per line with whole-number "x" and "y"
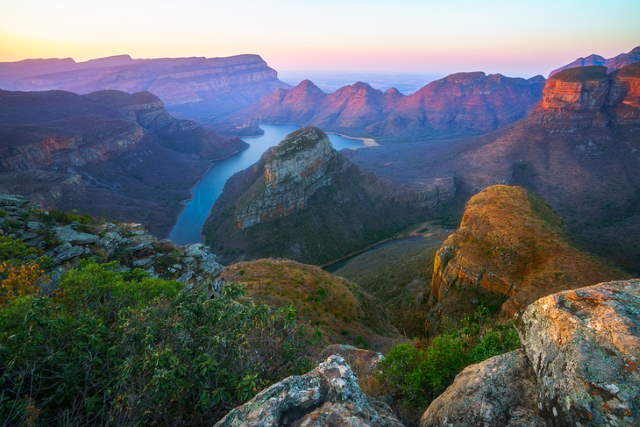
{"x": 197, "y": 87}
{"x": 328, "y": 395}
{"x": 306, "y": 202}
{"x": 337, "y": 307}
{"x": 460, "y": 104}
{"x": 108, "y": 153}
{"x": 509, "y": 244}
{"x": 67, "y": 241}
{"x": 579, "y": 366}
{"x": 577, "y": 149}
{"x": 612, "y": 64}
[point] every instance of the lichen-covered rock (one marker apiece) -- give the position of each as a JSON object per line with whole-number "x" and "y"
{"x": 584, "y": 347}
{"x": 363, "y": 362}
{"x": 499, "y": 391}
{"x": 328, "y": 395}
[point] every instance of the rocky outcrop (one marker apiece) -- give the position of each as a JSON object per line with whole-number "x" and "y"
{"x": 499, "y": 391}
{"x": 104, "y": 153}
{"x": 194, "y": 87}
{"x": 612, "y": 64}
{"x": 578, "y": 150}
{"x": 67, "y": 239}
{"x": 306, "y": 202}
{"x": 578, "y": 366}
{"x": 328, "y": 395}
{"x": 460, "y": 104}
{"x": 363, "y": 362}
{"x": 584, "y": 347}
{"x": 509, "y": 245}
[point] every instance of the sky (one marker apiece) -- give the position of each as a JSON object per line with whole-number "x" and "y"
{"x": 514, "y": 37}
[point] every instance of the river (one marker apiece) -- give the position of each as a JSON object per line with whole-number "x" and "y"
{"x": 188, "y": 227}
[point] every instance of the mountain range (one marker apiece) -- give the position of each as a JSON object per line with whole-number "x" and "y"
{"x": 197, "y": 87}
{"x": 612, "y": 64}
{"x": 458, "y": 105}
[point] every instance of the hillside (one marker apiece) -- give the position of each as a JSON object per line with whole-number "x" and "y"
{"x": 305, "y": 201}
{"x": 110, "y": 154}
{"x": 612, "y": 64}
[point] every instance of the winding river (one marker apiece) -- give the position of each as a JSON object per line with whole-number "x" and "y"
{"x": 190, "y": 221}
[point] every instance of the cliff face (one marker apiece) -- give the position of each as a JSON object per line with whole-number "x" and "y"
{"x": 611, "y": 64}
{"x": 460, "y": 104}
{"x": 104, "y": 153}
{"x": 510, "y": 244}
{"x": 305, "y": 201}
{"x": 192, "y": 87}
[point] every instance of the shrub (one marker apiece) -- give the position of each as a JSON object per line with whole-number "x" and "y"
{"x": 115, "y": 347}
{"x": 13, "y": 249}
{"x": 415, "y": 374}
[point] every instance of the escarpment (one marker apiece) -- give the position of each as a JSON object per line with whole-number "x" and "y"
{"x": 510, "y": 247}
{"x": 109, "y": 153}
{"x": 197, "y": 87}
{"x": 307, "y": 202}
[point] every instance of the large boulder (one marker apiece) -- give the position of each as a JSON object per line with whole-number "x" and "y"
{"x": 327, "y": 395}
{"x": 579, "y": 366}
{"x": 584, "y": 347}
{"x": 497, "y": 392}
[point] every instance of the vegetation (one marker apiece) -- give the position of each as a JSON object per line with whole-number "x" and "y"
{"x": 113, "y": 347}
{"x": 415, "y": 373}
{"x": 581, "y": 74}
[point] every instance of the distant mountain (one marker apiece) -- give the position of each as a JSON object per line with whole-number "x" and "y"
{"x": 579, "y": 149}
{"x": 612, "y": 64}
{"x": 460, "y": 104}
{"x": 197, "y": 87}
{"x": 304, "y": 201}
{"x": 111, "y": 154}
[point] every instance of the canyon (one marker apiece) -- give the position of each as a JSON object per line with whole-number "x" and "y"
{"x": 318, "y": 203}
{"x": 109, "y": 153}
{"x": 196, "y": 88}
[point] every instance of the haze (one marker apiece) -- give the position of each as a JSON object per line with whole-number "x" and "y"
{"x": 403, "y": 36}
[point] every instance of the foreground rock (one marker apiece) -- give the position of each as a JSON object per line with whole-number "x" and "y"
{"x": 67, "y": 239}
{"x": 584, "y": 347}
{"x": 579, "y": 366}
{"x": 497, "y": 392}
{"x": 328, "y": 395}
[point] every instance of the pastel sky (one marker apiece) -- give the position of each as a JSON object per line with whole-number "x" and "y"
{"x": 515, "y": 37}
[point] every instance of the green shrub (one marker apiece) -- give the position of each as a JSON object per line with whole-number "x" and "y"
{"x": 116, "y": 347}
{"x": 12, "y": 249}
{"x": 415, "y": 375}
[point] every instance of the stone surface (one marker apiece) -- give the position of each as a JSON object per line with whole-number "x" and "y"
{"x": 584, "y": 347}
{"x": 363, "y": 362}
{"x": 328, "y": 395}
{"x": 69, "y": 234}
{"x": 499, "y": 391}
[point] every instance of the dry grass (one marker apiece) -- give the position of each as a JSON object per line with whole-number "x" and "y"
{"x": 341, "y": 311}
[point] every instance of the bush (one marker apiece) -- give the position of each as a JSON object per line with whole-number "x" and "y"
{"x": 116, "y": 347}
{"x": 416, "y": 375}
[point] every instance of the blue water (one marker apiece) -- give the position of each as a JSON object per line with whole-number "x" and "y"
{"x": 189, "y": 225}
